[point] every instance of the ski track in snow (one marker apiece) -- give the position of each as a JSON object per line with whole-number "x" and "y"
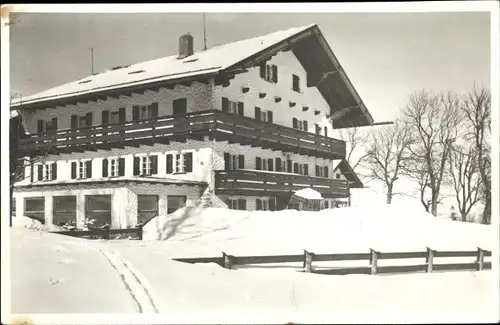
{"x": 132, "y": 281}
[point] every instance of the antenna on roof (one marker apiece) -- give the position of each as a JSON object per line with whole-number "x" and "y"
{"x": 204, "y": 33}
{"x": 92, "y": 60}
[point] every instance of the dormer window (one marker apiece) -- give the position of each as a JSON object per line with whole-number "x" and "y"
{"x": 269, "y": 72}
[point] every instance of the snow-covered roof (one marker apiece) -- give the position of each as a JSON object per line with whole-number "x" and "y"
{"x": 309, "y": 194}
{"x": 202, "y": 62}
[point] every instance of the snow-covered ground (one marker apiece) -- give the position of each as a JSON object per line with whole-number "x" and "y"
{"x": 60, "y": 274}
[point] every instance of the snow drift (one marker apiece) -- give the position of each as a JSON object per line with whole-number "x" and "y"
{"x": 342, "y": 230}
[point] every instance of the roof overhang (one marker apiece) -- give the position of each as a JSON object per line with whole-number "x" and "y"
{"x": 349, "y": 173}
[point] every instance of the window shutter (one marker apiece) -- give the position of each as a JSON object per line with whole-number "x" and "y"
{"x": 241, "y": 109}
{"x": 270, "y": 164}
{"x": 32, "y": 172}
{"x": 154, "y": 164}
{"x": 121, "y": 166}
{"x": 40, "y": 127}
{"x": 74, "y": 121}
{"x": 225, "y": 104}
{"x": 272, "y": 205}
{"x": 326, "y": 171}
{"x": 289, "y": 166}
{"x": 258, "y": 203}
{"x": 295, "y": 123}
{"x": 257, "y": 113}
{"x": 169, "y": 164}
{"x": 137, "y": 162}
{"x": 242, "y": 204}
{"x": 188, "y": 162}
{"x": 306, "y": 169}
{"x": 121, "y": 114}
{"x": 326, "y": 131}
{"x": 105, "y": 117}
{"x": 278, "y": 164}
{"x": 88, "y": 117}
{"x": 154, "y": 110}
{"x": 40, "y": 172}
{"x": 135, "y": 113}
{"x": 105, "y": 167}
{"x": 73, "y": 170}
{"x": 270, "y": 116}
{"x": 317, "y": 170}
{"x": 54, "y": 124}
{"x": 227, "y": 161}
{"x": 258, "y": 163}
{"x": 241, "y": 162}
{"x": 263, "y": 70}
{"x": 89, "y": 168}
{"x": 275, "y": 73}
{"x": 296, "y": 168}
{"x": 305, "y": 126}
{"x": 54, "y": 171}
{"x": 318, "y": 129}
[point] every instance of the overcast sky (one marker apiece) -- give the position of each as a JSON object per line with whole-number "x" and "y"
{"x": 386, "y": 55}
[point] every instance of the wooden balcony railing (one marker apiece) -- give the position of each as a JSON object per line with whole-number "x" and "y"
{"x": 250, "y": 182}
{"x": 215, "y": 124}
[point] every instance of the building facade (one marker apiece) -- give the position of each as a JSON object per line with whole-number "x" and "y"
{"x": 239, "y": 126}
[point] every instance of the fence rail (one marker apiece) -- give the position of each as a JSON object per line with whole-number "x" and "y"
{"x": 228, "y": 261}
{"x": 105, "y": 233}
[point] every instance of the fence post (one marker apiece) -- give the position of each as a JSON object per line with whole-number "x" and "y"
{"x": 228, "y": 263}
{"x": 480, "y": 259}
{"x": 373, "y": 261}
{"x": 308, "y": 258}
{"x": 429, "y": 260}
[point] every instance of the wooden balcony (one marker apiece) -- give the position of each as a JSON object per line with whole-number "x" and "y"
{"x": 217, "y": 125}
{"x": 264, "y": 183}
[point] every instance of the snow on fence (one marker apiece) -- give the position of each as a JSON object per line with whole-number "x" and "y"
{"x": 307, "y": 258}
{"x": 105, "y": 233}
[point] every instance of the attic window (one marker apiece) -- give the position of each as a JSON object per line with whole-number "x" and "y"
{"x": 192, "y": 60}
{"x": 85, "y": 81}
{"x": 135, "y": 72}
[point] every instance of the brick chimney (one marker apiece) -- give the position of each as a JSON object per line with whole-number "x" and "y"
{"x": 185, "y": 46}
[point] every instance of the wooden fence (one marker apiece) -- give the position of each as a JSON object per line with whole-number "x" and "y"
{"x": 104, "y": 233}
{"x": 307, "y": 258}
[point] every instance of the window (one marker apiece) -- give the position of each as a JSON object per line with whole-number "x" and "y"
{"x": 64, "y": 210}
{"x": 81, "y": 169}
{"x": 301, "y": 169}
{"x": 263, "y": 115}
{"x": 231, "y": 107}
{"x": 294, "y": 206}
{"x": 264, "y": 164}
{"x": 147, "y": 208}
{"x": 321, "y": 171}
{"x": 47, "y": 172}
{"x": 301, "y": 125}
{"x": 175, "y": 202}
{"x": 113, "y": 167}
{"x": 269, "y": 72}
{"x": 265, "y": 204}
{"x": 296, "y": 83}
{"x": 326, "y": 131}
{"x": 81, "y": 121}
{"x": 47, "y": 126}
{"x": 234, "y": 161}
{"x": 326, "y": 205}
{"x": 180, "y": 163}
{"x": 98, "y": 209}
{"x": 318, "y": 129}
{"x": 115, "y": 117}
{"x": 34, "y": 207}
{"x": 237, "y": 204}
{"x": 337, "y": 176}
{"x": 145, "y": 165}
{"x": 144, "y": 112}
{"x": 180, "y": 107}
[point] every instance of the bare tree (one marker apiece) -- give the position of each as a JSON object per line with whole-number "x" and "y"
{"x": 355, "y": 139}
{"x": 434, "y": 118}
{"x": 466, "y": 178}
{"x": 477, "y": 108}
{"x": 387, "y": 154}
